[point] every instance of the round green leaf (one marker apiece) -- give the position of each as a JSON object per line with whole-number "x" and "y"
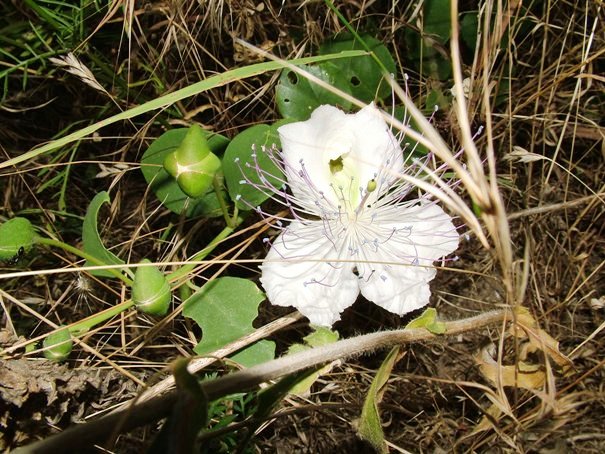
{"x": 437, "y": 19}
{"x": 166, "y": 188}
{"x": 225, "y": 309}
{"x": 363, "y": 74}
{"x": 246, "y": 157}
{"x": 17, "y": 236}
{"x": 469, "y": 29}
{"x": 297, "y": 96}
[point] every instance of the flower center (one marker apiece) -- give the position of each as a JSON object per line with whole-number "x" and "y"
{"x": 344, "y": 180}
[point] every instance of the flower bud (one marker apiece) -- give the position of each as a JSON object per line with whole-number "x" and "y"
{"x": 192, "y": 164}
{"x": 58, "y": 345}
{"x": 16, "y": 237}
{"x": 150, "y": 290}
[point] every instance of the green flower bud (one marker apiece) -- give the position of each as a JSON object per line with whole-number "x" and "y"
{"x": 58, "y": 345}
{"x": 150, "y": 290}
{"x": 17, "y": 236}
{"x": 192, "y": 164}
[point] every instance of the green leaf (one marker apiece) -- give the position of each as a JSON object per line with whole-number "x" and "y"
{"x": 363, "y": 74}
{"x": 321, "y": 336}
{"x": 91, "y": 240}
{"x": 437, "y": 67}
{"x": 435, "y": 97}
{"x": 469, "y": 28}
{"x": 370, "y": 427}
{"x": 225, "y": 309}
{"x": 17, "y": 236}
{"x": 437, "y": 19}
{"x": 428, "y": 320}
{"x": 424, "y": 56}
{"x": 240, "y": 164}
{"x": 297, "y": 97}
{"x": 166, "y": 188}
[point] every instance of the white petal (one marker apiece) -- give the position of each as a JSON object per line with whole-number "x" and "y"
{"x": 305, "y": 141}
{"x": 399, "y": 269}
{"x": 376, "y": 149}
{"x": 398, "y": 289}
{"x": 293, "y": 276}
{"x": 363, "y": 139}
{"x": 433, "y": 232}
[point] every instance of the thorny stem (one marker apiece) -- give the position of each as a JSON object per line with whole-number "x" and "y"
{"x": 147, "y": 412}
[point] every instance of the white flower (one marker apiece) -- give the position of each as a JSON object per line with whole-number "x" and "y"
{"x": 354, "y": 229}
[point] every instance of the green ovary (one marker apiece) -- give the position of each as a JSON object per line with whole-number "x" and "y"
{"x": 336, "y": 165}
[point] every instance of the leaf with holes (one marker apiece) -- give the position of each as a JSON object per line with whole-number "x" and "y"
{"x": 225, "y": 309}
{"x": 166, "y": 188}
{"x": 298, "y": 96}
{"x": 246, "y": 158}
{"x": 364, "y": 75}
{"x": 91, "y": 239}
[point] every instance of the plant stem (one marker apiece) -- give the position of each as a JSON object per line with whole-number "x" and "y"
{"x": 66, "y": 247}
{"x": 152, "y": 410}
{"x": 86, "y": 324}
{"x": 216, "y": 184}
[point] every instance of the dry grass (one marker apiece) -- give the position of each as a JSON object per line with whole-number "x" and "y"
{"x": 543, "y": 148}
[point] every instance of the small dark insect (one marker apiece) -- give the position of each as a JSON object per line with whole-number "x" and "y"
{"x": 17, "y": 257}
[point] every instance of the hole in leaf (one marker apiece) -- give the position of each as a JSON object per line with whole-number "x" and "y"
{"x": 355, "y": 81}
{"x": 286, "y": 100}
{"x": 293, "y": 78}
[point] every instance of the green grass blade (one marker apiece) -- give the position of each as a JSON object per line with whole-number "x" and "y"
{"x": 171, "y": 98}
